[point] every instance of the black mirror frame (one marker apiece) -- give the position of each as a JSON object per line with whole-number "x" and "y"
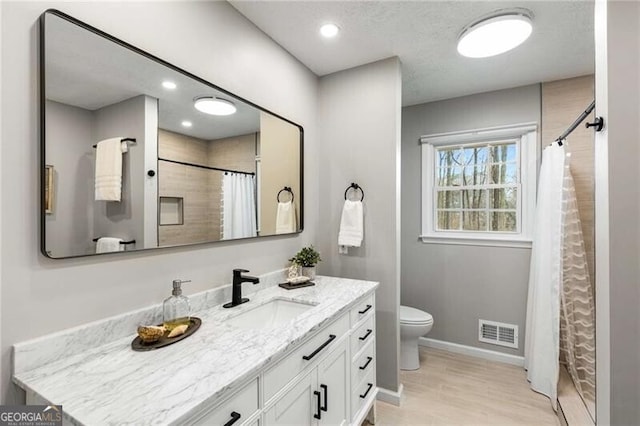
{"x": 42, "y": 135}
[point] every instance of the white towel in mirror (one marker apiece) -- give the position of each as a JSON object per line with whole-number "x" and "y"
{"x": 351, "y": 225}
{"x": 286, "y": 218}
{"x": 109, "y": 244}
{"x": 108, "y": 180}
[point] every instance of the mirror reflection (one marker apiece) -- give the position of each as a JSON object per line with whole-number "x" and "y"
{"x": 139, "y": 155}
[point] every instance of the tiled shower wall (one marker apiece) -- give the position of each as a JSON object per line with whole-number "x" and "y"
{"x": 199, "y": 188}
{"x": 562, "y": 102}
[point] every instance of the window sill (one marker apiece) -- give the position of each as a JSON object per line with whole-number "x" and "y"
{"x": 475, "y": 241}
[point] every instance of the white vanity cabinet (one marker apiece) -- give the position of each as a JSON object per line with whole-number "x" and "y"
{"x": 333, "y": 380}
{"x": 320, "y": 397}
{"x": 340, "y": 388}
{"x": 319, "y": 369}
{"x": 316, "y": 390}
{"x": 237, "y": 410}
{"x": 363, "y": 359}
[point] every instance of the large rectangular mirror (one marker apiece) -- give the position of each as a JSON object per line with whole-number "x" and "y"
{"x": 140, "y": 154}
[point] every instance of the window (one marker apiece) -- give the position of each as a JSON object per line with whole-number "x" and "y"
{"x": 478, "y": 187}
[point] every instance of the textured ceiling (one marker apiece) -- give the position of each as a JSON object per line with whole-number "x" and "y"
{"x": 423, "y": 34}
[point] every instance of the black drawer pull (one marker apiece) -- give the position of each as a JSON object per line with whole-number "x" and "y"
{"x": 318, "y": 414}
{"x": 366, "y": 364}
{"x": 321, "y": 347}
{"x": 325, "y": 388}
{"x": 369, "y": 331}
{"x": 234, "y": 418}
{"x": 364, "y": 311}
{"x": 364, "y": 395}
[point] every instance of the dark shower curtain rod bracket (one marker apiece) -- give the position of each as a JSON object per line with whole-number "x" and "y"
{"x": 598, "y": 124}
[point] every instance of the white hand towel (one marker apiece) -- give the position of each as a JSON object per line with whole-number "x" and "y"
{"x": 108, "y": 181}
{"x": 286, "y": 218}
{"x": 109, "y": 244}
{"x": 351, "y": 224}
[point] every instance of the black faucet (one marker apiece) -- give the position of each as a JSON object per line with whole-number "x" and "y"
{"x": 238, "y": 279}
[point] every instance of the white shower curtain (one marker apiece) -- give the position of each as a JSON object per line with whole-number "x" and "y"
{"x": 542, "y": 343}
{"x": 560, "y": 308}
{"x": 239, "y": 206}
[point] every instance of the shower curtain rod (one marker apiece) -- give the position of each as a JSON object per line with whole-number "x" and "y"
{"x": 576, "y": 123}
{"x": 205, "y": 167}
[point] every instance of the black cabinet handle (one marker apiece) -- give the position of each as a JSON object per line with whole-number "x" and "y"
{"x": 364, "y": 395}
{"x": 321, "y": 347}
{"x": 364, "y": 311}
{"x": 366, "y": 364}
{"x": 234, "y": 418}
{"x": 325, "y": 388}
{"x": 318, "y": 414}
{"x": 369, "y": 331}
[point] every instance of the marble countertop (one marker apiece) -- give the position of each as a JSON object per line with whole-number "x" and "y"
{"x": 112, "y": 384}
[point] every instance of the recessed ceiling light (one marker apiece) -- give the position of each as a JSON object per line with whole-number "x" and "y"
{"x": 186, "y": 123}
{"x": 329, "y": 30}
{"x": 214, "y": 106}
{"x": 495, "y": 34}
{"x": 169, "y": 85}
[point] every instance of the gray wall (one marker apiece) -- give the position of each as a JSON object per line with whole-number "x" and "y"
{"x": 71, "y": 131}
{"x": 359, "y": 121}
{"x": 622, "y": 241}
{"x": 202, "y": 37}
{"x": 125, "y": 219}
{"x": 458, "y": 284}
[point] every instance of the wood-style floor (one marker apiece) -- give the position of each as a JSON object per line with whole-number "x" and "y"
{"x": 454, "y": 389}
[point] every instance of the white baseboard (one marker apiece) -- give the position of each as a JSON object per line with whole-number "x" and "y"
{"x": 471, "y": 351}
{"x": 391, "y": 397}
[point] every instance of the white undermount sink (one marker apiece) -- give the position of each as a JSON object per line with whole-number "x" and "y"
{"x": 271, "y": 314}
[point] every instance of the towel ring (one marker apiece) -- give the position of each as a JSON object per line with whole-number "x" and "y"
{"x": 287, "y": 189}
{"x": 354, "y": 186}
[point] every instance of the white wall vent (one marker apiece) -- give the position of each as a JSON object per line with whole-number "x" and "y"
{"x": 498, "y": 333}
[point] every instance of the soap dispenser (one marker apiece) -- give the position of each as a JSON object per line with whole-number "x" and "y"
{"x": 176, "y": 309}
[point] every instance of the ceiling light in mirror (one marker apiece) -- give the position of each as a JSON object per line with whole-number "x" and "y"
{"x": 186, "y": 123}
{"x": 169, "y": 85}
{"x": 329, "y": 30}
{"x": 495, "y": 35}
{"x": 214, "y": 106}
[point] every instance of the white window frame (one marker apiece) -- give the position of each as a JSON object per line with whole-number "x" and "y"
{"x": 527, "y": 134}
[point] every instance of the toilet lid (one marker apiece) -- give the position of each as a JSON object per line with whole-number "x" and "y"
{"x": 409, "y": 315}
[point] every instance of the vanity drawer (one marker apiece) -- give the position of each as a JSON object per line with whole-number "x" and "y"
{"x": 363, "y": 308}
{"x": 363, "y": 334}
{"x": 363, "y": 393}
{"x": 240, "y": 406}
{"x": 306, "y": 355}
{"x": 364, "y": 362}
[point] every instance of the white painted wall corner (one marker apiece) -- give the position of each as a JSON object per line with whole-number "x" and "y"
{"x": 385, "y": 395}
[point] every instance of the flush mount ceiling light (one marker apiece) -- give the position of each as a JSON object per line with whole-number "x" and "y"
{"x": 169, "y": 85}
{"x": 214, "y": 106}
{"x": 495, "y": 34}
{"x": 329, "y": 30}
{"x": 186, "y": 123}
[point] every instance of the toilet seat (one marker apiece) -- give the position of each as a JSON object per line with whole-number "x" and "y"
{"x": 413, "y": 316}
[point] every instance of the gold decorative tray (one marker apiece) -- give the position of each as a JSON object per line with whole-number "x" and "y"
{"x": 139, "y": 345}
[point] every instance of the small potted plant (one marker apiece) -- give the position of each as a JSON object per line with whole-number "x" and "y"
{"x": 307, "y": 258}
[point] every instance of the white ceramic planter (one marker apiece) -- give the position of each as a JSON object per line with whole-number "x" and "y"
{"x": 309, "y": 271}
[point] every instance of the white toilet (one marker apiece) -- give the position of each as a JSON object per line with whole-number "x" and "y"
{"x": 414, "y": 324}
